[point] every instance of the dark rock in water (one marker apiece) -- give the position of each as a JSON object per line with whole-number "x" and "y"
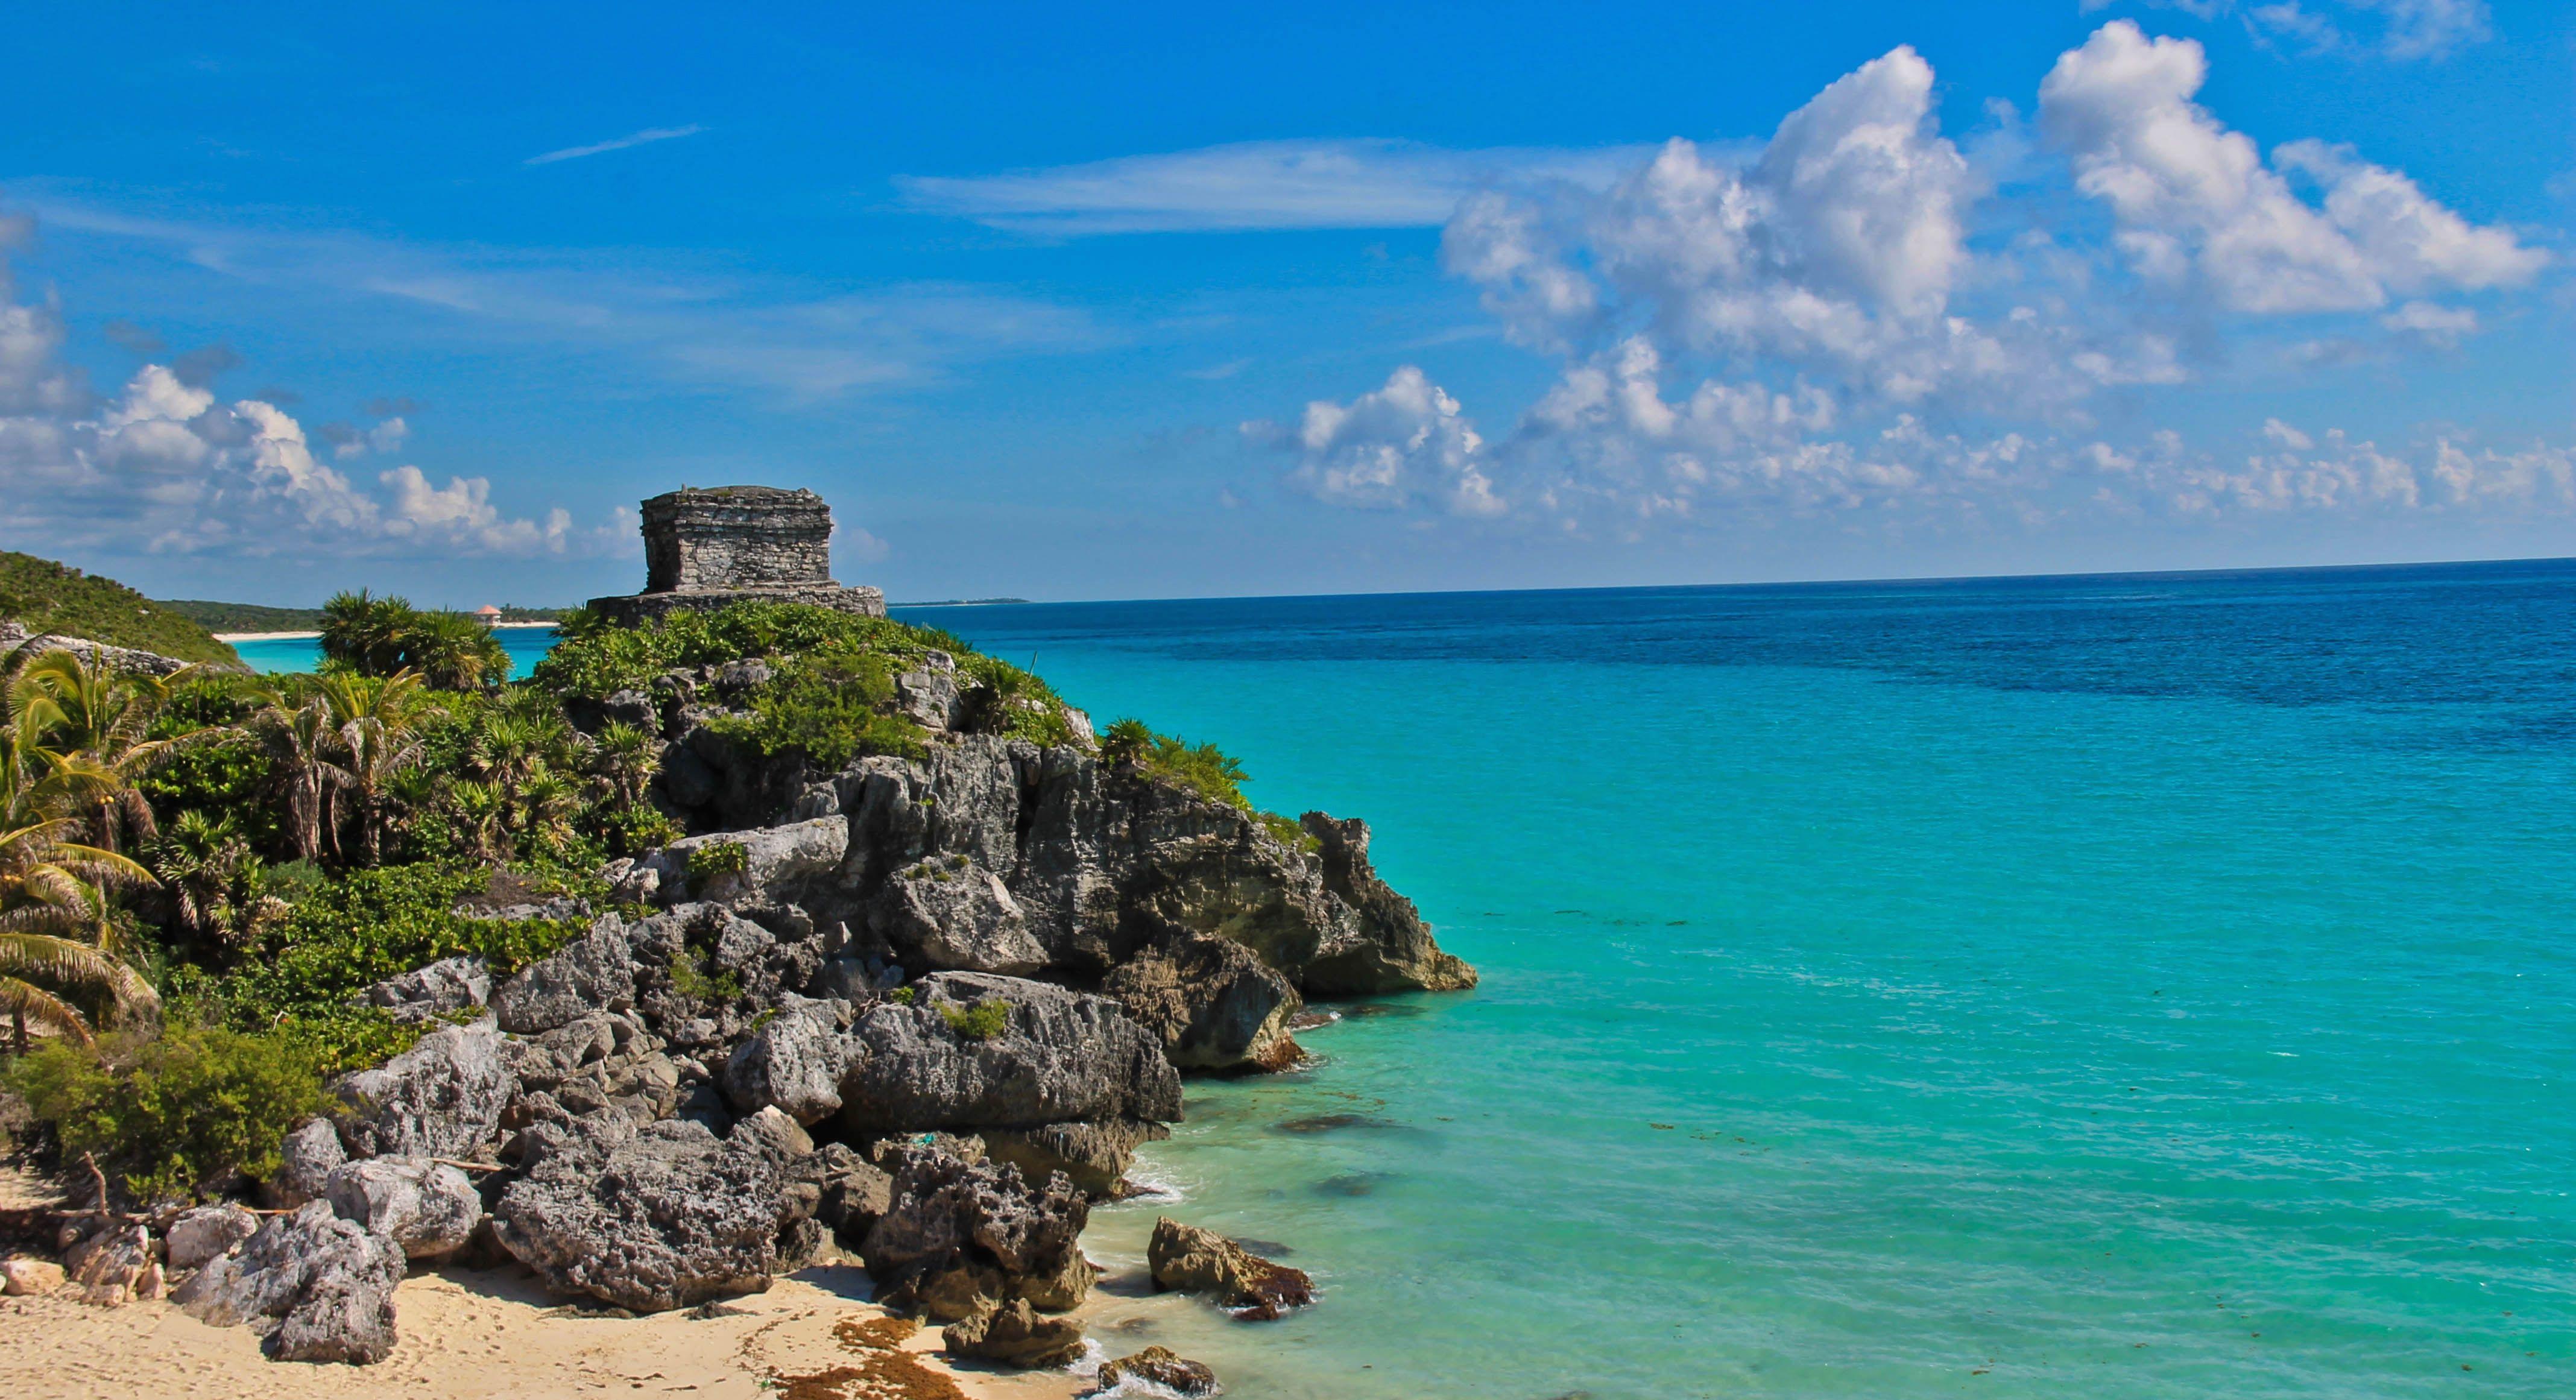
{"x": 441, "y": 1098}
{"x": 428, "y": 1209}
{"x": 1328, "y": 1122}
{"x": 1059, "y": 1056}
{"x": 446, "y": 986}
{"x": 652, "y": 1219}
{"x": 1212, "y": 1002}
{"x": 1348, "y": 1184}
{"x": 1014, "y": 1335}
{"x": 1161, "y": 1367}
{"x": 960, "y": 1233}
{"x": 1093, "y": 1155}
{"x": 1186, "y": 1259}
{"x": 320, "y": 1286}
{"x": 306, "y": 1159}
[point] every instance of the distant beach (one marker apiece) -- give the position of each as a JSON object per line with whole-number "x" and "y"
{"x": 228, "y": 638}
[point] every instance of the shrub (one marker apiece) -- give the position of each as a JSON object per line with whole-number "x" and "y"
{"x": 716, "y": 859}
{"x": 1201, "y": 768}
{"x": 902, "y": 996}
{"x": 982, "y": 1021}
{"x": 1288, "y": 833}
{"x": 831, "y": 706}
{"x": 177, "y": 1114}
{"x": 690, "y": 978}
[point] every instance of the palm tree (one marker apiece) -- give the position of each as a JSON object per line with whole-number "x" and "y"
{"x": 297, "y": 730}
{"x": 53, "y": 891}
{"x": 378, "y": 722}
{"x": 81, "y": 727}
{"x": 365, "y": 633}
{"x": 211, "y": 874}
{"x": 454, "y": 651}
{"x": 625, "y": 758}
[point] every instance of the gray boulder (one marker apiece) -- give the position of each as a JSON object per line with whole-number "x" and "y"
{"x": 850, "y": 1193}
{"x": 958, "y": 1236}
{"x": 595, "y": 972}
{"x": 652, "y": 1219}
{"x": 1059, "y": 1056}
{"x": 428, "y": 1209}
{"x": 207, "y": 1233}
{"x": 320, "y": 1287}
{"x": 779, "y": 862}
{"x": 441, "y": 1098}
{"x": 1187, "y": 1259}
{"x": 1095, "y": 1156}
{"x": 794, "y": 1063}
{"x": 305, "y": 1160}
{"x": 1214, "y": 1005}
{"x": 951, "y": 914}
{"x": 448, "y": 985}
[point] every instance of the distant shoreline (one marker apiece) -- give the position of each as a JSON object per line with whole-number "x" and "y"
{"x": 228, "y": 638}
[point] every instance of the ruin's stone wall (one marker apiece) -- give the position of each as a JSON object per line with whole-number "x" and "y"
{"x": 736, "y": 537}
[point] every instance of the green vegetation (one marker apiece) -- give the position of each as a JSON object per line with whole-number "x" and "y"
{"x": 902, "y": 996}
{"x": 383, "y": 637}
{"x": 982, "y": 1021}
{"x": 1202, "y": 768}
{"x": 717, "y": 859}
{"x": 194, "y": 1105}
{"x": 256, "y": 617}
{"x": 690, "y": 978}
{"x": 51, "y": 597}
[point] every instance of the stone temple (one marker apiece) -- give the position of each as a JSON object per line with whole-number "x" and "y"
{"x": 705, "y": 547}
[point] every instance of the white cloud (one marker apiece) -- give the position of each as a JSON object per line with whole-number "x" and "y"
{"x": 1400, "y": 445}
{"x": 1251, "y": 185}
{"x": 2197, "y": 209}
{"x": 2402, "y": 30}
{"x": 647, "y": 136}
{"x": 2439, "y": 326}
{"x": 164, "y": 465}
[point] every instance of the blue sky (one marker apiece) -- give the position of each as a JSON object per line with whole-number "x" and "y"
{"x": 1165, "y": 301}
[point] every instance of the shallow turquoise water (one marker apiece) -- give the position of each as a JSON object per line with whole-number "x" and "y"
{"x": 2136, "y": 987}
{"x": 280, "y": 654}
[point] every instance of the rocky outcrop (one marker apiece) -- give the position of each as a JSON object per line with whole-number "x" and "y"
{"x": 1394, "y": 951}
{"x": 1057, "y": 1055}
{"x": 1094, "y": 1156}
{"x": 1186, "y": 1259}
{"x": 1157, "y": 1366}
{"x": 441, "y": 1098}
{"x": 795, "y": 1062}
{"x": 427, "y": 1209}
{"x": 114, "y": 1266}
{"x": 595, "y": 972}
{"x": 1014, "y": 1335}
{"x": 305, "y": 1160}
{"x": 649, "y": 1219}
{"x": 320, "y": 1287}
{"x": 959, "y": 1236}
{"x": 446, "y": 986}
{"x": 14, "y": 638}
{"x": 1212, "y": 1002}
{"x": 206, "y": 1233}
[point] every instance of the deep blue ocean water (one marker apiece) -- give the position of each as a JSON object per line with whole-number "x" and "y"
{"x": 2104, "y": 987}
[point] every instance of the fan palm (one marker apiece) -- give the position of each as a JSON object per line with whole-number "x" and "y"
{"x": 52, "y": 893}
{"x": 453, "y": 651}
{"x": 378, "y": 722}
{"x": 81, "y": 727}
{"x": 297, "y": 730}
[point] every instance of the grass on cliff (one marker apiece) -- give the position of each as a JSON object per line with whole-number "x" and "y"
{"x": 51, "y": 597}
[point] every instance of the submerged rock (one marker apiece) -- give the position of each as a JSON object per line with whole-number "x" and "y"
{"x": 652, "y": 1219}
{"x": 1158, "y": 1366}
{"x": 1186, "y": 1259}
{"x": 320, "y": 1287}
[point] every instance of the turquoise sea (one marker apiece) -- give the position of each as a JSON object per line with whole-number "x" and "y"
{"x": 524, "y": 644}
{"x": 2105, "y": 987}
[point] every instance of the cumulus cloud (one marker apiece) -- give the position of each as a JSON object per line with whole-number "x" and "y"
{"x": 2197, "y": 209}
{"x": 1403, "y": 444}
{"x": 164, "y": 464}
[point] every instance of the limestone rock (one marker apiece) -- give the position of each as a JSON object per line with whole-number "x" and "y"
{"x": 950, "y": 914}
{"x": 1061, "y": 1055}
{"x": 651, "y": 1219}
{"x": 595, "y": 972}
{"x": 1187, "y": 1259}
{"x": 1014, "y": 1335}
{"x": 1094, "y": 1156}
{"x": 441, "y": 1098}
{"x": 448, "y": 985}
{"x": 850, "y": 1193}
{"x": 773, "y": 1133}
{"x": 321, "y": 1287}
{"x": 1214, "y": 1004}
{"x": 1158, "y": 1366}
{"x": 207, "y": 1233}
{"x": 1394, "y": 951}
{"x": 794, "y": 1063}
{"x": 27, "y": 1278}
{"x": 779, "y": 862}
{"x": 958, "y": 1234}
{"x": 428, "y": 1209}
{"x": 308, "y": 1156}
{"x": 114, "y": 1267}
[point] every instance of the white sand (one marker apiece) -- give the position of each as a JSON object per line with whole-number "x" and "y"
{"x": 485, "y": 1336}
{"x": 229, "y": 638}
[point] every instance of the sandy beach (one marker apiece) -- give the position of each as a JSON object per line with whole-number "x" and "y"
{"x": 471, "y": 1335}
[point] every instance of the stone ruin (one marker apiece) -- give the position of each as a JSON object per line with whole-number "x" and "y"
{"x": 705, "y": 547}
